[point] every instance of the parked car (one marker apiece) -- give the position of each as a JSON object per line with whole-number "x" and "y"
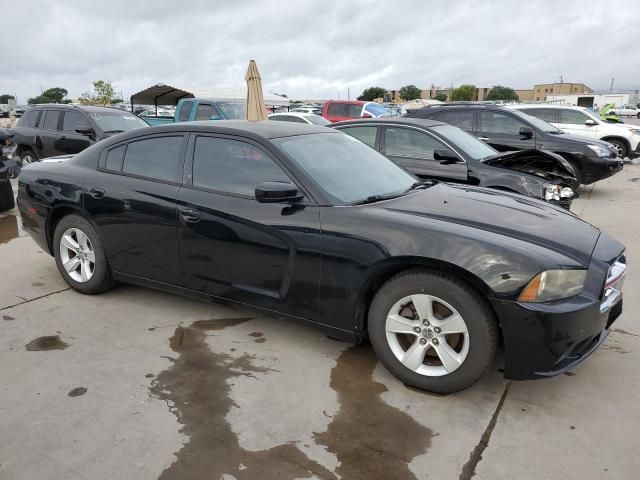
{"x": 339, "y": 110}
{"x": 194, "y": 109}
{"x": 432, "y": 149}
{"x": 627, "y": 111}
{"x": 279, "y": 217}
{"x": 506, "y": 129}
{"x": 49, "y": 130}
{"x": 583, "y": 122}
{"x": 298, "y": 117}
{"x": 315, "y": 110}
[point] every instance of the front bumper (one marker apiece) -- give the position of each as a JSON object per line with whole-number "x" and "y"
{"x": 546, "y": 339}
{"x": 597, "y": 168}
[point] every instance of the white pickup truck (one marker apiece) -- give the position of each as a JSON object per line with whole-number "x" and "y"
{"x": 627, "y": 111}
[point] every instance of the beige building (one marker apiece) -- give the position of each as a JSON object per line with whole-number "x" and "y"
{"x": 540, "y": 91}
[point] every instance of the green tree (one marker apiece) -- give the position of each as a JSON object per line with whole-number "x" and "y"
{"x": 6, "y": 97}
{"x": 409, "y": 92}
{"x": 371, "y": 93}
{"x": 103, "y": 93}
{"x": 498, "y": 92}
{"x": 441, "y": 97}
{"x": 39, "y": 99}
{"x": 463, "y": 93}
{"x": 55, "y": 94}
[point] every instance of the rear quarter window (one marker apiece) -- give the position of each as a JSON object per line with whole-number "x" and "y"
{"x": 457, "y": 118}
{"x": 156, "y": 158}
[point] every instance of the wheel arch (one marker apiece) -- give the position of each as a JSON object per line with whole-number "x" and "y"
{"x": 385, "y": 270}
{"x": 622, "y": 139}
{"x": 54, "y": 218}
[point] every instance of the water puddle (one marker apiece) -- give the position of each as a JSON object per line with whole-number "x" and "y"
{"x": 371, "y": 439}
{"x": 9, "y": 228}
{"x": 43, "y": 344}
{"x": 197, "y": 390}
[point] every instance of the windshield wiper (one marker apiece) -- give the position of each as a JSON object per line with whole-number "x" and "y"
{"x": 555, "y": 132}
{"x": 375, "y": 198}
{"x": 417, "y": 186}
{"x": 113, "y": 131}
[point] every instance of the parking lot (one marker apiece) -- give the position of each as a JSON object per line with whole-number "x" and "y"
{"x": 136, "y": 383}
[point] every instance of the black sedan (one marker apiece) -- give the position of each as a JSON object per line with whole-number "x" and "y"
{"x": 431, "y": 149}
{"x": 506, "y": 129}
{"x": 278, "y": 216}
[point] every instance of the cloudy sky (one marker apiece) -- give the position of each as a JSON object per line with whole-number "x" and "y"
{"x": 316, "y": 49}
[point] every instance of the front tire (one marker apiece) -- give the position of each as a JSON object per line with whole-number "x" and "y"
{"x": 27, "y": 157}
{"x": 80, "y": 257}
{"x": 620, "y": 147}
{"x": 432, "y": 331}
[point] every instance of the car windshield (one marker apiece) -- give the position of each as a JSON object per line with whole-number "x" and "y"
{"x": 537, "y": 123}
{"x": 346, "y": 168}
{"x": 117, "y": 121}
{"x": 473, "y": 147}
{"x": 377, "y": 110}
{"x": 233, "y": 110}
{"x": 317, "y": 120}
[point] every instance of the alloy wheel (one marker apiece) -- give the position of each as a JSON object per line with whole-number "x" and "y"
{"x": 618, "y": 148}
{"x": 427, "y": 335}
{"x": 27, "y": 159}
{"x": 77, "y": 255}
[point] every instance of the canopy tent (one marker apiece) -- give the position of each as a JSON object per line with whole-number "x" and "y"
{"x": 162, "y": 94}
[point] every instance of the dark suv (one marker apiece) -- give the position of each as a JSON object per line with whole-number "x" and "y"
{"x": 507, "y": 129}
{"x": 49, "y": 130}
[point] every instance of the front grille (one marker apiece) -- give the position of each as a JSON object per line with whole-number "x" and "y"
{"x": 613, "y": 284}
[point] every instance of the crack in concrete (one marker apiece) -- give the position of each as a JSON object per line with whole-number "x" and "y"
{"x": 469, "y": 468}
{"x": 33, "y": 299}
{"x": 624, "y": 332}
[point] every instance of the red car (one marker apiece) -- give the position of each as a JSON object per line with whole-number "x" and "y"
{"x": 339, "y": 110}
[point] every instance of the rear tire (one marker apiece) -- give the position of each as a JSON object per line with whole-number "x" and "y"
{"x": 27, "y": 157}
{"x": 7, "y": 200}
{"x": 80, "y": 257}
{"x": 445, "y": 343}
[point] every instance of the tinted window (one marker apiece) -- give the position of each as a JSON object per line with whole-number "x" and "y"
{"x": 337, "y": 110}
{"x": 72, "y": 120}
{"x": 32, "y": 118}
{"x": 546, "y": 114}
{"x": 50, "y": 120}
{"x": 466, "y": 142}
{"x": 185, "y": 111}
{"x": 115, "y": 156}
{"x": 497, "y": 122}
{"x": 364, "y": 134}
{"x": 573, "y": 116}
{"x": 111, "y": 121}
{"x": 232, "y": 166}
{"x": 205, "y": 112}
{"x": 318, "y": 120}
{"x": 405, "y": 142}
{"x": 155, "y": 157}
{"x": 459, "y": 118}
{"x": 287, "y": 118}
{"x": 355, "y": 111}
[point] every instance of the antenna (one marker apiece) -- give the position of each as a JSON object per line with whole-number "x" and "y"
{"x": 611, "y": 87}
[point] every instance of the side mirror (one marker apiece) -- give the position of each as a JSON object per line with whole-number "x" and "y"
{"x": 446, "y": 156}
{"x": 526, "y": 132}
{"x": 277, "y": 192}
{"x": 214, "y": 117}
{"x": 84, "y": 130}
{"x": 590, "y": 123}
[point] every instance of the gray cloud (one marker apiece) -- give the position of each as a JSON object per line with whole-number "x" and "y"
{"x": 316, "y": 49}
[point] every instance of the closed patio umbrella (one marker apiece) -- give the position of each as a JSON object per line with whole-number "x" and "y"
{"x": 256, "y": 110}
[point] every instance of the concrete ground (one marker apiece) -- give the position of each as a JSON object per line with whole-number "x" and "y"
{"x": 140, "y": 384}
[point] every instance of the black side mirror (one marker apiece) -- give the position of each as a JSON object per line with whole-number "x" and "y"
{"x": 84, "y": 130}
{"x": 277, "y": 192}
{"x": 446, "y": 156}
{"x": 526, "y": 132}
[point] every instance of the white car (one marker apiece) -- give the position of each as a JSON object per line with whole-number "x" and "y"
{"x": 316, "y": 110}
{"x": 299, "y": 117}
{"x": 583, "y": 122}
{"x": 627, "y": 111}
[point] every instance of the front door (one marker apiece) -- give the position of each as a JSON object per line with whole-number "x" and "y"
{"x": 573, "y": 122}
{"x": 414, "y": 150}
{"x": 501, "y": 130}
{"x": 232, "y": 246}
{"x": 71, "y": 141}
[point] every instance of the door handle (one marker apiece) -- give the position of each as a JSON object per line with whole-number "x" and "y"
{"x": 484, "y": 139}
{"x": 96, "y": 192}
{"x": 189, "y": 215}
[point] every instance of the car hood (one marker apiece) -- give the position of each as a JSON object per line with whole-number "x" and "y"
{"x": 540, "y": 163}
{"x": 503, "y": 213}
{"x": 582, "y": 141}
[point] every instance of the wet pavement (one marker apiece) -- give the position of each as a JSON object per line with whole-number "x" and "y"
{"x": 141, "y": 384}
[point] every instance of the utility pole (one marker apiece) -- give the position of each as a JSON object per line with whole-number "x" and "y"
{"x": 611, "y": 87}
{"x": 561, "y": 79}
{"x": 348, "y": 93}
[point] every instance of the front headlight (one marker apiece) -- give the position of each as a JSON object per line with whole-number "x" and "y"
{"x": 556, "y": 192}
{"x": 600, "y": 151}
{"x": 553, "y": 285}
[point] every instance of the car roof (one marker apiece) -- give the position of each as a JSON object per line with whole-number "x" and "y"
{"x": 408, "y": 121}
{"x": 526, "y": 106}
{"x": 264, "y": 129}
{"x": 294, "y": 114}
{"x": 65, "y": 106}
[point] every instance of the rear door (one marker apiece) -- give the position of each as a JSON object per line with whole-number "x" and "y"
{"x": 70, "y": 141}
{"x": 131, "y": 199}
{"x": 50, "y": 133}
{"x": 501, "y": 130}
{"x": 414, "y": 150}
{"x": 234, "y": 247}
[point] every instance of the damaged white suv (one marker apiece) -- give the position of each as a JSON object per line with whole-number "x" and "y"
{"x": 586, "y": 123}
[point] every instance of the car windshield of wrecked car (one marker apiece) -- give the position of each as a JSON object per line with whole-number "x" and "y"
{"x": 346, "y": 168}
